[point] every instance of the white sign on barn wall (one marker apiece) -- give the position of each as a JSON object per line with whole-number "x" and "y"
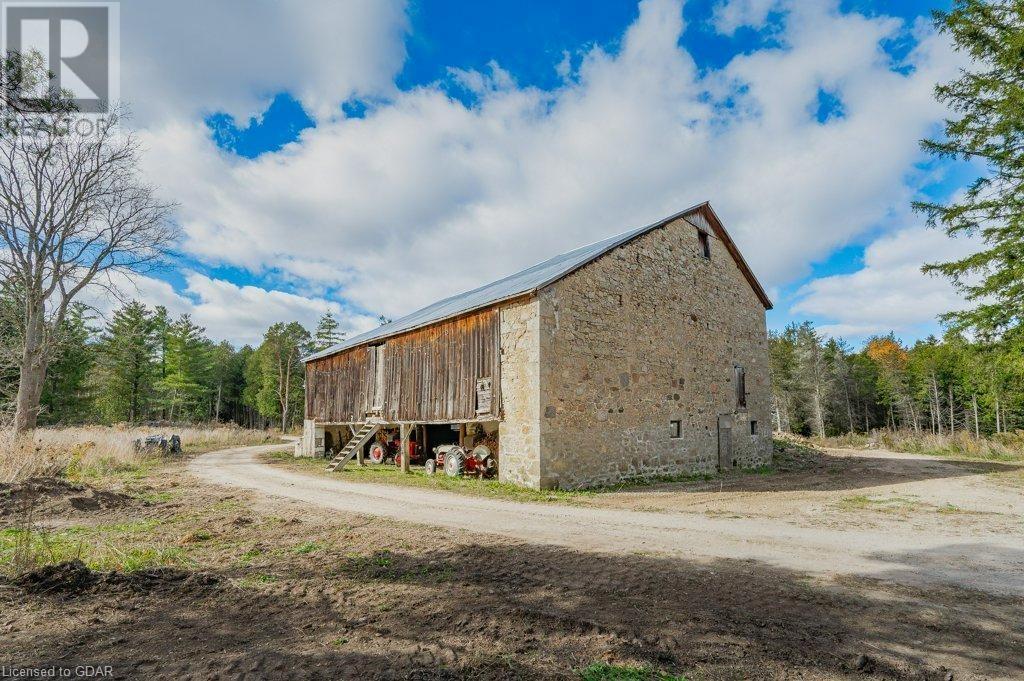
{"x": 483, "y": 396}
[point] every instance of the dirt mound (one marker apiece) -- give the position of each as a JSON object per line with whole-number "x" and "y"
{"x": 74, "y": 577}
{"x": 56, "y": 496}
{"x": 69, "y": 577}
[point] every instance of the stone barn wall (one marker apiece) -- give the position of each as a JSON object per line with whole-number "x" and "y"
{"x": 519, "y": 431}
{"x": 648, "y": 334}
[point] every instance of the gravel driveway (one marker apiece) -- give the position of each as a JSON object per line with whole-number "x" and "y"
{"x": 992, "y": 562}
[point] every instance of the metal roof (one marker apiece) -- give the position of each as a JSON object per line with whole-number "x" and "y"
{"x": 527, "y": 281}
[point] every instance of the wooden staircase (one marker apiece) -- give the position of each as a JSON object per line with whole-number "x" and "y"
{"x": 359, "y": 439}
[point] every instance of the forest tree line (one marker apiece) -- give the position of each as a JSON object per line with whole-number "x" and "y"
{"x": 822, "y": 387}
{"x": 76, "y": 210}
{"x": 142, "y": 365}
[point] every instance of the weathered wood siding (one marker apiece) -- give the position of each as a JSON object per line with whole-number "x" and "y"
{"x": 428, "y": 374}
{"x": 339, "y": 388}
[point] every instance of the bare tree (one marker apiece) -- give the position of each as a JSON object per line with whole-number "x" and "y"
{"x": 74, "y": 212}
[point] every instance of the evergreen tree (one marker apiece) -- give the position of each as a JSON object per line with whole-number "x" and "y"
{"x": 66, "y": 396}
{"x": 327, "y": 333}
{"x": 161, "y": 326}
{"x": 125, "y": 364}
{"x": 253, "y": 388}
{"x": 988, "y": 100}
{"x": 187, "y": 371}
{"x": 10, "y": 343}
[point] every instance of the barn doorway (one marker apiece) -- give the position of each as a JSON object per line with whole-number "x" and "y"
{"x": 725, "y": 457}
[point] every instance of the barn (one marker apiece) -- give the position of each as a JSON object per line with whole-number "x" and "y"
{"x": 641, "y": 355}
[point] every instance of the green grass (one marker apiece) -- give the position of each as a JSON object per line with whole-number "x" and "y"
{"x": 602, "y": 671}
{"x": 155, "y": 497}
{"x": 391, "y": 475}
{"x": 306, "y": 548}
{"x": 1003, "y": 447}
{"x": 103, "y": 471}
{"x": 863, "y": 502}
{"x": 123, "y": 546}
{"x": 256, "y": 580}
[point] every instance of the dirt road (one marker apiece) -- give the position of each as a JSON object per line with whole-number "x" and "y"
{"x": 987, "y": 561}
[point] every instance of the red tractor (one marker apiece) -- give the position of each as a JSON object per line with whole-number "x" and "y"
{"x": 455, "y": 461}
{"x": 387, "y": 450}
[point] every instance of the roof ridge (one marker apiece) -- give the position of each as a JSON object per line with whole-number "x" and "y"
{"x": 560, "y": 266}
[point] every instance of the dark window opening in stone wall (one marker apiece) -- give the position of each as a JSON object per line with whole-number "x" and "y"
{"x": 705, "y": 244}
{"x": 753, "y": 427}
{"x": 741, "y": 387}
{"x": 675, "y": 429}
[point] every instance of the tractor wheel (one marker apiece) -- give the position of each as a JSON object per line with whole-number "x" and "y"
{"x": 430, "y": 467}
{"x": 377, "y": 453}
{"x": 455, "y": 463}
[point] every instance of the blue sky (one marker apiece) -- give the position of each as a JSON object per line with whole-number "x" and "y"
{"x": 516, "y": 130}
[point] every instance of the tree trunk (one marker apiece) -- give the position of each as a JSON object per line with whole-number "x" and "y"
{"x": 819, "y": 414}
{"x": 32, "y": 372}
{"x": 849, "y": 405}
{"x": 952, "y": 421}
{"x": 938, "y": 405}
{"x": 974, "y": 405}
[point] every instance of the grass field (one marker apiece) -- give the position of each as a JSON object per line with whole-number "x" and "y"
{"x": 1001, "y": 447}
{"x": 92, "y": 452}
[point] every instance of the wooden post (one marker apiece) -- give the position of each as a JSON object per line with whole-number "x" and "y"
{"x": 359, "y": 451}
{"x": 403, "y": 430}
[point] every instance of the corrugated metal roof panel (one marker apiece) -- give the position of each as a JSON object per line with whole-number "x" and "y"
{"x": 520, "y": 283}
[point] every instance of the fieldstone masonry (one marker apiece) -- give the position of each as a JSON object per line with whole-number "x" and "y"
{"x": 598, "y": 366}
{"x": 519, "y": 431}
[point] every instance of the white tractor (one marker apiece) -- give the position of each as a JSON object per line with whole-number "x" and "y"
{"x": 455, "y": 461}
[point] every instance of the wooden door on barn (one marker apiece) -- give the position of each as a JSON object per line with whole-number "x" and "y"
{"x": 378, "y": 380}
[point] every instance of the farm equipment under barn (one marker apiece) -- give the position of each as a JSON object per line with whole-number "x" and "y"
{"x": 386, "y": 450}
{"x": 455, "y": 461}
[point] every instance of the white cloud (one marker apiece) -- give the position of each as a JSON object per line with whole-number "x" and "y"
{"x": 890, "y": 293}
{"x": 730, "y": 15}
{"x": 426, "y": 196}
{"x": 240, "y": 314}
{"x": 189, "y": 57}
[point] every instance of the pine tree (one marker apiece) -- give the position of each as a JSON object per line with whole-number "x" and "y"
{"x": 253, "y": 386}
{"x": 66, "y": 397}
{"x": 327, "y": 333}
{"x": 10, "y": 343}
{"x": 125, "y": 368}
{"x": 989, "y": 102}
{"x": 187, "y": 371}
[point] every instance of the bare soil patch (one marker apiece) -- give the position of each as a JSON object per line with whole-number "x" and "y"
{"x": 268, "y": 589}
{"x": 56, "y": 498}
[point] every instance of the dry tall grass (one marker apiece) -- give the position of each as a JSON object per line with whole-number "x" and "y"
{"x": 1004, "y": 446}
{"x": 98, "y": 450}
